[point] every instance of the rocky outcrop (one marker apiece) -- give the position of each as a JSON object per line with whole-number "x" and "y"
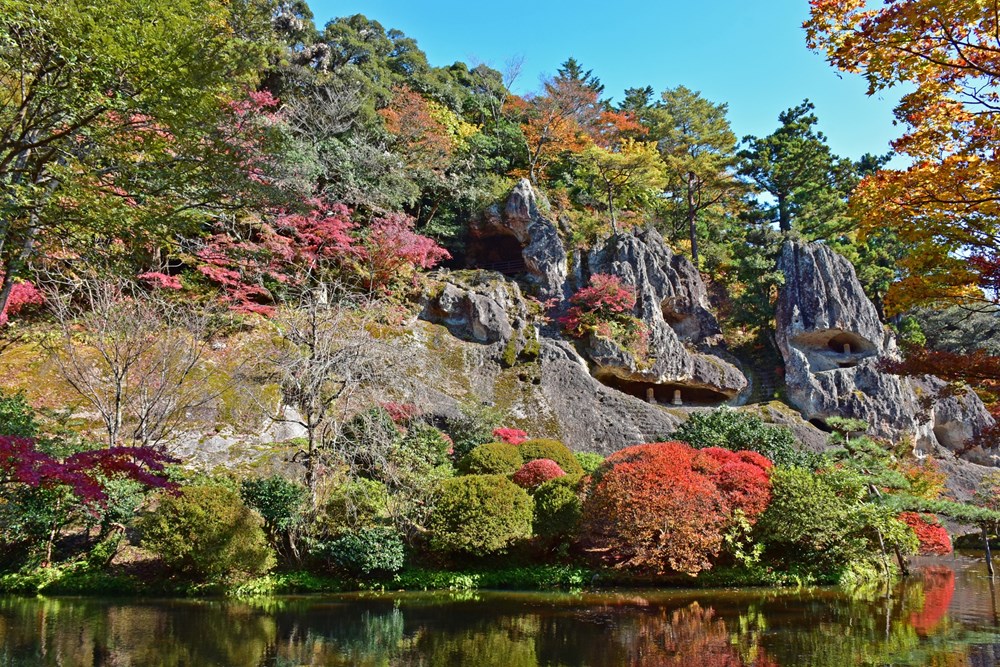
{"x": 592, "y": 416}
{"x": 831, "y": 340}
{"x": 672, "y": 302}
{"x": 538, "y": 245}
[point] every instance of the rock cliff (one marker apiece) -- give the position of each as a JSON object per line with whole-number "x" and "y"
{"x": 831, "y": 340}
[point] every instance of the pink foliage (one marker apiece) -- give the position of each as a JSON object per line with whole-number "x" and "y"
{"x": 534, "y": 473}
{"x": 84, "y": 472}
{"x": 391, "y": 247}
{"x": 281, "y": 251}
{"x": 160, "y": 280}
{"x": 23, "y": 294}
{"x": 512, "y": 436}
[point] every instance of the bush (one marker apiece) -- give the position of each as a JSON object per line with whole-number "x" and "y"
{"x": 281, "y": 504}
{"x": 533, "y": 473}
{"x": 473, "y": 427}
{"x": 480, "y": 515}
{"x": 424, "y": 446}
{"x": 207, "y": 533}
{"x": 733, "y": 430}
{"x": 666, "y": 506}
{"x": 493, "y": 458}
{"x": 557, "y": 508}
{"x": 820, "y": 524}
{"x": 365, "y": 551}
{"x": 589, "y": 461}
{"x": 933, "y": 537}
{"x": 543, "y": 448}
{"x": 357, "y": 503}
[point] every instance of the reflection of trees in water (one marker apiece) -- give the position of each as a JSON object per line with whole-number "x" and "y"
{"x": 90, "y": 633}
{"x": 818, "y": 627}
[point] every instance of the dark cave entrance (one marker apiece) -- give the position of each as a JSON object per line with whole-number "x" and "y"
{"x": 663, "y": 394}
{"x": 497, "y": 252}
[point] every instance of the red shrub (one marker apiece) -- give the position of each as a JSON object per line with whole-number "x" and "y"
{"x": 401, "y": 412}
{"x": 933, "y": 537}
{"x": 23, "y": 294}
{"x": 534, "y": 473}
{"x": 512, "y": 436}
{"x": 666, "y": 505}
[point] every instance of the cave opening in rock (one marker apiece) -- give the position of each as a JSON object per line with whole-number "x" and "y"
{"x": 833, "y": 349}
{"x": 663, "y": 394}
{"x": 498, "y": 252}
{"x": 820, "y": 424}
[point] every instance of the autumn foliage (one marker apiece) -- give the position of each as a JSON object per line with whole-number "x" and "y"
{"x": 666, "y": 506}
{"x": 933, "y": 537}
{"x": 512, "y": 436}
{"x": 84, "y": 473}
{"x": 604, "y": 308}
{"x": 539, "y": 471}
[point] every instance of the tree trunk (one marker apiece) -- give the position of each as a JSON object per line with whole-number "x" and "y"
{"x": 784, "y": 215}
{"x": 611, "y": 209}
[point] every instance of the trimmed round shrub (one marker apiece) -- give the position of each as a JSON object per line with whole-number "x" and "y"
{"x": 365, "y": 551}
{"x": 544, "y": 448}
{"x": 557, "y": 508}
{"x": 207, "y": 533}
{"x": 480, "y": 515}
{"x": 589, "y": 461}
{"x": 533, "y": 473}
{"x": 493, "y": 458}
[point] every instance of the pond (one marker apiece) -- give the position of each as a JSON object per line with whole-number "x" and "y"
{"x": 944, "y": 615}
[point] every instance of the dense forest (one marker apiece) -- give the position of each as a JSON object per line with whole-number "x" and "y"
{"x": 199, "y": 196}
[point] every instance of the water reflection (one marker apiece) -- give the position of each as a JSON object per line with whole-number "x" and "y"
{"x": 944, "y": 616}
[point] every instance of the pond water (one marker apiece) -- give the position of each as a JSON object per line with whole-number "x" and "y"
{"x": 944, "y": 615}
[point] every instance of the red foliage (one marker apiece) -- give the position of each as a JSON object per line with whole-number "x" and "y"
{"x": 401, "y": 412}
{"x": 536, "y": 472}
{"x": 666, "y": 505}
{"x": 601, "y": 306}
{"x": 513, "y": 436}
{"x": 160, "y": 280}
{"x": 21, "y": 462}
{"x": 939, "y": 589}
{"x": 242, "y": 262}
{"x": 390, "y": 248}
{"x": 23, "y": 294}
{"x": 934, "y": 539}
{"x": 423, "y": 140}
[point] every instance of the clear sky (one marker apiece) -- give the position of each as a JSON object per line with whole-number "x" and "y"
{"x": 750, "y": 54}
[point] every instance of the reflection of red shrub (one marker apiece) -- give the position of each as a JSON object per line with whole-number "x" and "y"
{"x": 666, "y": 505}
{"x": 939, "y": 588}
{"x": 533, "y": 473}
{"x": 933, "y": 537}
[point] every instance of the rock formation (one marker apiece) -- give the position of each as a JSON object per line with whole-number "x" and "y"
{"x": 683, "y": 334}
{"x": 831, "y": 339}
{"x": 518, "y": 239}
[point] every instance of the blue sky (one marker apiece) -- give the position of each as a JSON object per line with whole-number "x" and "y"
{"x": 749, "y": 54}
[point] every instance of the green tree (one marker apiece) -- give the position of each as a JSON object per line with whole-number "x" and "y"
{"x": 796, "y": 168}
{"x": 699, "y": 150}
{"x": 630, "y": 174}
{"x": 111, "y": 117}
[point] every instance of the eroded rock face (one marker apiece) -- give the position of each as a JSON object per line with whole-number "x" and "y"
{"x": 831, "y": 339}
{"x": 518, "y": 238}
{"x": 672, "y": 301}
{"x": 477, "y": 305}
